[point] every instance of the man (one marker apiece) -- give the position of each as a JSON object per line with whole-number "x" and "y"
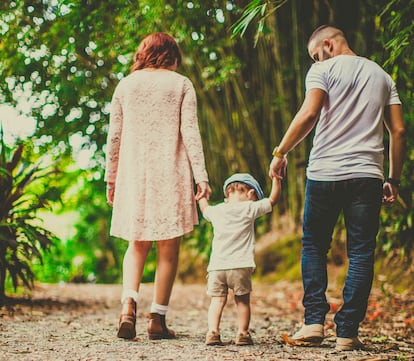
{"x": 347, "y": 98}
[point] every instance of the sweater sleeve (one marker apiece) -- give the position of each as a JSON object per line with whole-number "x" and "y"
{"x": 191, "y": 133}
{"x": 114, "y": 140}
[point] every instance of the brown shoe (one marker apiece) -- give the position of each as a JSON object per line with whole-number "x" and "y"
{"x": 157, "y": 328}
{"x": 244, "y": 339}
{"x": 213, "y": 339}
{"x": 348, "y": 344}
{"x": 127, "y": 319}
{"x": 312, "y": 335}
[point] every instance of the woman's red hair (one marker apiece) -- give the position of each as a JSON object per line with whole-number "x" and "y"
{"x": 157, "y": 50}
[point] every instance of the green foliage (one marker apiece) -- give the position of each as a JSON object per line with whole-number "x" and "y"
{"x": 88, "y": 254}
{"x": 258, "y": 10}
{"x": 395, "y": 27}
{"x": 392, "y": 21}
{"x": 280, "y": 260}
{"x": 66, "y": 57}
{"x": 22, "y": 237}
{"x": 397, "y": 16}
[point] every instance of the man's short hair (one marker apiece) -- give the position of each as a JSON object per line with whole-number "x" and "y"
{"x": 325, "y": 32}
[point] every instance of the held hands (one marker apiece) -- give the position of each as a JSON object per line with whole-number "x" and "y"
{"x": 277, "y": 170}
{"x": 203, "y": 195}
{"x": 277, "y": 167}
{"x": 203, "y": 191}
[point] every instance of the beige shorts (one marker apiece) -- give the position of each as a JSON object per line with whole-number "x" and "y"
{"x": 239, "y": 280}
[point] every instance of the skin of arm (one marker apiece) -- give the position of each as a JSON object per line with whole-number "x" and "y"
{"x": 202, "y": 203}
{"x": 276, "y": 190}
{"x": 393, "y": 119}
{"x": 301, "y": 126}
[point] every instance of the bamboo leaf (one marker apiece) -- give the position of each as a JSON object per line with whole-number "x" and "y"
{"x": 249, "y": 14}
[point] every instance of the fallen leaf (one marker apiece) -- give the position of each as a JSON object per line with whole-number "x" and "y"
{"x": 291, "y": 342}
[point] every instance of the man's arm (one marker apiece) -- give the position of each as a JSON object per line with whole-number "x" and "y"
{"x": 393, "y": 119}
{"x": 301, "y": 126}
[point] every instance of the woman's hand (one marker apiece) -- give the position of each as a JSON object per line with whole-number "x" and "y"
{"x": 203, "y": 191}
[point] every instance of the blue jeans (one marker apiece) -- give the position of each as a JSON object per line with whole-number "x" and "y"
{"x": 360, "y": 201}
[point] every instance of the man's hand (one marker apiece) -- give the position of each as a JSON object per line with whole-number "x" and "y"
{"x": 389, "y": 194}
{"x": 277, "y": 167}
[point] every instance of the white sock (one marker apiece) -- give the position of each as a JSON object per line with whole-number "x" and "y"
{"x": 126, "y": 293}
{"x": 160, "y": 309}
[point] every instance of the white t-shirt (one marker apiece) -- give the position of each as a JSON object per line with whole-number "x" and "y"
{"x": 348, "y": 140}
{"x": 233, "y": 241}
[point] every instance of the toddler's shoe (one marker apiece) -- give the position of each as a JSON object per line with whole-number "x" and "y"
{"x": 310, "y": 333}
{"x": 213, "y": 339}
{"x": 348, "y": 344}
{"x": 244, "y": 339}
{"x": 127, "y": 319}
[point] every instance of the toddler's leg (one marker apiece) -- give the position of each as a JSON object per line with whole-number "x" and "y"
{"x": 243, "y": 316}
{"x": 243, "y": 312}
{"x": 215, "y": 311}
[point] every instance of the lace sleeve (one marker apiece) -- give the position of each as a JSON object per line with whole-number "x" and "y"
{"x": 113, "y": 141}
{"x": 191, "y": 133}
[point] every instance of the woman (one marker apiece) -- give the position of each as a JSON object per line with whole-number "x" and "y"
{"x": 154, "y": 154}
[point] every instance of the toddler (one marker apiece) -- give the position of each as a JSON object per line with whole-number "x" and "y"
{"x": 232, "y": 257}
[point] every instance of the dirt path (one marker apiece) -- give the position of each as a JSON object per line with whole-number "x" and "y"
{"x": 78, "y": 322}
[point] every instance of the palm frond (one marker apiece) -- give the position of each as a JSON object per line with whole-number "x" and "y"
{"x": 16, "y": 157}
{"x": 22, "y": 238}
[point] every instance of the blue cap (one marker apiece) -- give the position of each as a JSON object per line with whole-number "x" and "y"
{"x": 245, "y": 178}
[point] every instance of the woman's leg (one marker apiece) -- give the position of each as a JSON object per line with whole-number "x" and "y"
{"x": 167, "y": 262}
{"x": 133, "y": 264}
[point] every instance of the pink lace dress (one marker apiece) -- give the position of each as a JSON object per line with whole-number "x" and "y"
{"x": 154, "y": 154}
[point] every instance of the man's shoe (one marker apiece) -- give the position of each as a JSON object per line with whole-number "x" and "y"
{"x": 213, "y": 339}
{"x": 127, "y": 319}
{"x": 157, "y": 328}
{"x": 348, "y": 344}
{"x": 244, "y": 339}
{"x": 310, "y": 333}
